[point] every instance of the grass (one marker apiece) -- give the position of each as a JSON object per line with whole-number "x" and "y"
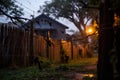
{"x": 55, "y": 72}
{"x": 81, "y": 65}
{"x": 84, "y": 61}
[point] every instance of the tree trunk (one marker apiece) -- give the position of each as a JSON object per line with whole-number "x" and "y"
{"x": 31, "y": 53}
{"x": 117, "y": 44}
{"x": 105, "y": 69}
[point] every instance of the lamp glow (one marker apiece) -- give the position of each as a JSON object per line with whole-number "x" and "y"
{"x": 89, "y": 30}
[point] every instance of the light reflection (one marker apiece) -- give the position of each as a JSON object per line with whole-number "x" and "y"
{"x": 89, "y": 75}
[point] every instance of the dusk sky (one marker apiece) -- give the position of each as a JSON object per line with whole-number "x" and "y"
{"x": 32, "y": 6}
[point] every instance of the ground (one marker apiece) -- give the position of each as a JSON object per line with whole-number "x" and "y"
{"x": 82, "y": 69}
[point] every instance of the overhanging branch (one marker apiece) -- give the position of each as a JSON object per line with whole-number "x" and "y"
{"x": 90, "y": 7}
{"x": 85, "y": 37}
{"x": 13, "y": 17}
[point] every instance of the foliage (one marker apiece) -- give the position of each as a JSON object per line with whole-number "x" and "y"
{"x": 72, "y": 10}
{"x": 62, "y": 68}
{"x": 63, "y": 55}
{"x": 76, "y": 11}
{"x": 114, "y": 4}
{"x": 117, "y": 7}
{"x": 24, "y": 73}
{"x": 95, "y": 2}
{"x": 84, "y": 61}
{"x": 49, "y": 73}
{"x": 45, "y": 63}
{"x": 9, "y": 6}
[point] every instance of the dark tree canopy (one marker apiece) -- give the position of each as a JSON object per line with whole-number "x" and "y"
{"x": 10, "y": 7}
{"x": 117, "y": 7}
{"x": 73, "y": 10}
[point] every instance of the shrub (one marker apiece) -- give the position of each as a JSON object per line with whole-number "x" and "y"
{"x": 62, "y": 68}
{"x": 42, "y": 62}
{"x": 45, "y": 63}
{"x": 64, "y": 56}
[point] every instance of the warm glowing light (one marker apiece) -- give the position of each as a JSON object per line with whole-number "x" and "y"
{"x": 89, "y": 30}
{"x": 95, "y": 24}
{"x": 116, "y": 20}
{"x": 89, "y": 75}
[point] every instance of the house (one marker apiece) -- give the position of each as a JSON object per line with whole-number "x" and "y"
{"x": 44, "y": 25}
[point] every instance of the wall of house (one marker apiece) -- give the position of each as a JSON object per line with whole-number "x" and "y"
{"x": 55, "y": 29}
{"x": 61, "y": 32}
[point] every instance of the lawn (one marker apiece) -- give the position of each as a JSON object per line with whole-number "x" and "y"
{"x": 53, "y": 72}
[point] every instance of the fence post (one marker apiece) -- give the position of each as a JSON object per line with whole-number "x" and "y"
{"x": 48, "y": 44}
{"x": 31, "y": 53}
{"x": 72, "y": 48}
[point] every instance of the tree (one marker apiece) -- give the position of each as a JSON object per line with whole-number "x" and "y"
{"x": 117, "y": 36}
{"x": 11, "y": 10}
{"x": 107, "y": 42}
{"x": 107, "y": 10}
{"x": 73, "y": 11}
{"x": 106, "y": 33}
{"x": 10, "y": 7}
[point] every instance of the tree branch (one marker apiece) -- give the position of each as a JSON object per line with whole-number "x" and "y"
{"x": 91, "y": 7}
{"x": 87, "y": 21}
{"x": 13, "y": 17}
{"x": 85, "y": 37}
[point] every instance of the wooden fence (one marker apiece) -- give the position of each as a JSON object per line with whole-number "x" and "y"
{"x": 71, "y": 50}
{"x": 40, "y": 48}
{"x": 15, "y": 47}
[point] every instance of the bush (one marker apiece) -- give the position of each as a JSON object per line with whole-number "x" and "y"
{"x": 62, "y": 68}
{"x": 42, "y": 62}
{"x": 45, "y": 63}
{"x": 64, "y": 56}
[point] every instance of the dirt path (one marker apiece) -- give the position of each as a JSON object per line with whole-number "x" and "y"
{"x": 79, "y": 75}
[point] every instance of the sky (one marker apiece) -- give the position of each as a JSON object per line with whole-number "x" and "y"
{"x": 32, "y": 6}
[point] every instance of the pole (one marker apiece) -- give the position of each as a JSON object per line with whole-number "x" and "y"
{"x": 31, "y": 55}
{"x": 72, "y": 48}
{"x": 47, "y": 46}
